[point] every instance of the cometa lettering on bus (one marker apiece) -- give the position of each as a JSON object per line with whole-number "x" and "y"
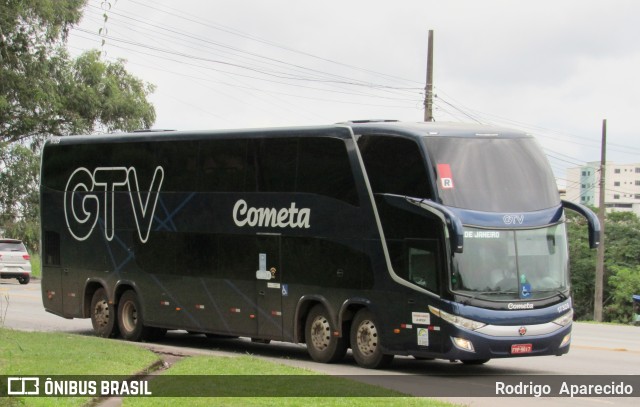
{"x": 292, "y": 217}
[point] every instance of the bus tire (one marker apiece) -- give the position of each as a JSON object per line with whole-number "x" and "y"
{"x": 365, "y": 341}
{"x": 130, "y": 318}
{"x": 323, "y": 346}
{"x": 103, "y": 315}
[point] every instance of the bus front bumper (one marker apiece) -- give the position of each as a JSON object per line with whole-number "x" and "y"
{"x": 500, "y": 342}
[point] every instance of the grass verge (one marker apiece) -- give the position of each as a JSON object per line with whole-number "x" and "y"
{"x": 37, "y": 353}
{"x": 35, "y": 266}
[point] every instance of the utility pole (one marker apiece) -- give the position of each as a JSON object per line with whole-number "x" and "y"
{"x": 597, "y": 300}
{"x": 428, "y": 94}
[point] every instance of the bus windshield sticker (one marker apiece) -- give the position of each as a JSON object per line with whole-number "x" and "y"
{"x": 285, "y": 290}
{"x": 446, "y": 178}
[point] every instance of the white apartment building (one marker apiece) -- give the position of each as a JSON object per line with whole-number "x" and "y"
{"x": 622, "y": 186}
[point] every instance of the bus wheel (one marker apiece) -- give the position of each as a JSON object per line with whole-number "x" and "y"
{"x": 103, "y": 315}
{"x": 323, "y": 346}
{"x": 365, "y": 341}
{"x": 130, "y": 318}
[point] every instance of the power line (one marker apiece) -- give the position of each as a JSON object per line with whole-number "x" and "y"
{"x": 176, "y": 13}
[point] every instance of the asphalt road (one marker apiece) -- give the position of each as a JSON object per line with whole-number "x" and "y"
{"x": 596, "y": 350}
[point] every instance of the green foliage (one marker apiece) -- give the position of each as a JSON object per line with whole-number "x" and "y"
{"x": 622, "y": 266}
{"x": 582, "y": 264}
{"x": 43, "y": 92}
{"x": 624, "y": 283}
{"x": 19, "y": 201}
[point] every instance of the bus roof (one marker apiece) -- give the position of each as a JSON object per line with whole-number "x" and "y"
{"x": 422, "y": 129}
{"x": 408, "y": 129}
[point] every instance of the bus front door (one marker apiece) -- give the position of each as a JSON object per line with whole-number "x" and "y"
{"x": 268, "y": 285}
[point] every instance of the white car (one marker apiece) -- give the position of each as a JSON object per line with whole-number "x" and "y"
{"x": 14, "y": 261}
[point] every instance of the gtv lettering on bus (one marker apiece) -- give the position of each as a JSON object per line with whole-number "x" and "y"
{"x": 292, "y": 217}
{"x": 82, "y": 200}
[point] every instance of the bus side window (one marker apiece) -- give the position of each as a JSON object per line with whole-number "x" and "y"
{"x": 416, "y": 260}
{"x": 223, "y": 165}
{"x": 324, "y": 169}
{"x": 180, "y": 163}
{"x": 394, "y": 166}
{"x": 422, "y": 267}
{"x": 276, "y": 163}
{"x": 51, "y": 248}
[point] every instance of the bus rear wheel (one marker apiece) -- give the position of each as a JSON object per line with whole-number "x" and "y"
{"x": 130, "y": 320}
{"x": 323, "y": 346}
{"x": 365, "y": 341}
{"x": 103, "y": 315}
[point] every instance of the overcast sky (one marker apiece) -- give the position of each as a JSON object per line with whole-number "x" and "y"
{"x": 555, "y": 68}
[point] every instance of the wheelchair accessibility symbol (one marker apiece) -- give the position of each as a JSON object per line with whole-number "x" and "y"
{"x": 285, "y": 290}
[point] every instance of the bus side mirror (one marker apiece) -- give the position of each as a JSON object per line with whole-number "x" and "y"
{"x": 592, "y": 221}
{"x": 451, "y": 221}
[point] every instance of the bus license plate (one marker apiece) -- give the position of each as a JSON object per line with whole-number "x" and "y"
{"x": 521, "y": 348}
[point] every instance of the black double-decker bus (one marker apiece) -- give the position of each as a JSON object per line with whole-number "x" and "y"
{"x": 426, "y": 239}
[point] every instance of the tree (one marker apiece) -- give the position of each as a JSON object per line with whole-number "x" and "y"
{"x": 44, "y": 92}
{"x": 19, "y": 205}
{"x": 622, "y": 266}
{"x": 582, "y": 264}
{"x": 624, "y": 283}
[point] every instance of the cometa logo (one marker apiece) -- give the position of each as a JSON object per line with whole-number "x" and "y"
{"x": 291, "y": 217}
{"x": 526, "y": 305}
{"x": 86, "y": 193}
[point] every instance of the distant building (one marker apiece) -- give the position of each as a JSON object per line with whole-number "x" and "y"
{"x": 622, "y": 186}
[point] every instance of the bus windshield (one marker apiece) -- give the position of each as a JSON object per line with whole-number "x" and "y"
{"x": 491, "y": 174}
{"x": 512, "y": 264}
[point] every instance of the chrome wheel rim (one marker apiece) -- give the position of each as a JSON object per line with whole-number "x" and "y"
{"x": 129, "y": 316}
{"x": 367, "y": 337}
{"x": 101, "y": 313}
{"x": 320, "y": 332}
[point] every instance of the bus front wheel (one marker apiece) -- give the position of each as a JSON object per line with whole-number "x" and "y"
{"x": 130, "y": 319}
{"x": 103, "y": 315}
{"x": 322, "y": 344}
{"x": 365, "y": 341}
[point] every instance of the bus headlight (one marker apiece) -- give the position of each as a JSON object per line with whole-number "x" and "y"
{"x": 456, "y": 320}
{"x": 463, "y": 344}
{"x": 565, "y": 320}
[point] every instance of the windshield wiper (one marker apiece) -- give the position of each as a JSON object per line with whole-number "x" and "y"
{"x": 476, "y": 295}
{"x": 562, "y": 295}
